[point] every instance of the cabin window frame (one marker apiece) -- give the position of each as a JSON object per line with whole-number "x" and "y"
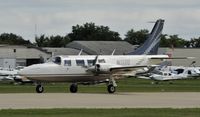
{"x": 101, "y": 61}
{"x": 57, "y": 60}
{"x": 165, "y": 74}
{"x": 80, "y": 62}
{"x": 67, "y": 62}
{"x": 189, "y": 72}
{"x": 90, "y": 62}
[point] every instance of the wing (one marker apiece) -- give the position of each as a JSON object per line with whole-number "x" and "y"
{"x": 116, "y": 70}
{"x": 130, "y": 70}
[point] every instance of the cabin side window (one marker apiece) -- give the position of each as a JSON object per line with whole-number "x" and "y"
{"x": 179, "y": 71}
{"x": 189, "y": 72}
{"x": 57, "y": 60}
{"x": 80, "y": 63}
{"x": 101, "y": 61}
{"x": 123, "y": 62}
{"x": 90, "y": 62}
{"x": 67, "y": 63}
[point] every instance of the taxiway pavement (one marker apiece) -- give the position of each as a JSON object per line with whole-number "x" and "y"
{"x": 84, "y": 100}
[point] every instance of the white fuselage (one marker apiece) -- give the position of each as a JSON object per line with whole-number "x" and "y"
{"x": 75, "y": 68}
{"x": 166, "y": 76}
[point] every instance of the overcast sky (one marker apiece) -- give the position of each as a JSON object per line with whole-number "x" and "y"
{"x": 54, "y": 17}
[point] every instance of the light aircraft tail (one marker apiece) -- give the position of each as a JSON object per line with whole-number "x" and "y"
{"x": 150, "y": 46}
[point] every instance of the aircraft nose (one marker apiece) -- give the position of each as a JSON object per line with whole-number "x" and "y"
{"x": 23, "y": 72}
{"x": 27, "y": 71}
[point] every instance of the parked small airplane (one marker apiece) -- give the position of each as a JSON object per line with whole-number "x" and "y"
{"x": 186, "y": 72}
{"x": 169, "y": 73}
{"x": 11, "y": 75}
{"x": 93, "y": 69}
{"x": 7, "y": 74}
{"x": 165, "y": 76}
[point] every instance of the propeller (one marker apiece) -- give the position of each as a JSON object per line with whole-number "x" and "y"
{"x": 95, "y": 60}
{"x": 97, "y": 67}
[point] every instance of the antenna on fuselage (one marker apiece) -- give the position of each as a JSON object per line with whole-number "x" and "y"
{"x": 80, "y": 52}
{"x": 113, "y": 52}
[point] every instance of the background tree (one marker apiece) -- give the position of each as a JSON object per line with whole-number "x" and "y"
{"x": 91, "y": 32}
{"x": 136, "y": 37}
{"x": 173, "y": 40}
{"x": 52, "y": 41}
{"x": 42, "y": 41}
{"x": 13, "y": 39}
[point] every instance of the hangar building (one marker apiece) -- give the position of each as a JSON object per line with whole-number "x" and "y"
{"x": 12, "y": 56}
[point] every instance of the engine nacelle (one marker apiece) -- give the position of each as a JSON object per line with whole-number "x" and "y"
{"x": 102, "y": 68}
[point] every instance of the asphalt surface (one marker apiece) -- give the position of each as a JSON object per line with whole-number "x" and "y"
{"x": 84, "y": 100}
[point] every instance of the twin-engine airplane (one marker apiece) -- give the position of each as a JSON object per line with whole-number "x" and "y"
{"x": 93, "y": 69}
{"x": 88, "y": 69}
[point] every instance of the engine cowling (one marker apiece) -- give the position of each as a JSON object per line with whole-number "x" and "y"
{"x": 102, "y": 68}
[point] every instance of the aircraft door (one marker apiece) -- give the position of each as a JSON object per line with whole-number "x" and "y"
{"x": 67, "y": 64}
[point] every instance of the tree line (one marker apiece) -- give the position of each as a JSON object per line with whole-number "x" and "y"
{"x": 92, "y": 32}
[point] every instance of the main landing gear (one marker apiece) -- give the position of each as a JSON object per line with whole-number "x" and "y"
{"x": 111, "y": 87}
{"x": 39, "y": 88}
{"x": 73, "y": 88}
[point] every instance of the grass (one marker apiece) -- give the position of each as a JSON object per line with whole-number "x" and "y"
{"x": 163, "y": 112}
{"x": 125, "y": 85}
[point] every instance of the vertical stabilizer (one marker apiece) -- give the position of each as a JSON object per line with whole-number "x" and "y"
{"x": 152, "y": 43}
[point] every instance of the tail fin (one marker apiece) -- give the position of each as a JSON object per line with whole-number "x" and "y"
{"x": 150, "y": 46}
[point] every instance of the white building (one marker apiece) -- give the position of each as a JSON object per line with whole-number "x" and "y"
{"x": 12, "y": 56}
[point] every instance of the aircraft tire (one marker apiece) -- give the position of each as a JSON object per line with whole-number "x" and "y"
{"x": 39, "y": 88}
{"x": 73, "y": 88}
{"x": 111, "y": 88}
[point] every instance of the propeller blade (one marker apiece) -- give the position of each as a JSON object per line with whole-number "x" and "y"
{"x": 95, "y": 60}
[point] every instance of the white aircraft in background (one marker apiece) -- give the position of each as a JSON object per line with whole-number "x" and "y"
{"x": 7, "y": 74}
{"x": 11, "y": 75}
{"x": 169, "y": 73}
{"x": 186, "y": 72}
{"x": 197, "y": 70}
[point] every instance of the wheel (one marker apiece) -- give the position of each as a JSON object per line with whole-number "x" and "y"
{"x": 111, "y": 88}
{"x": 39, "y": 88}
{"x": 73, "y": 88}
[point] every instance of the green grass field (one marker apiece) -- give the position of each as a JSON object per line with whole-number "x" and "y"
{"x": 164, "y": 112}
{"x": 125, "y": 85}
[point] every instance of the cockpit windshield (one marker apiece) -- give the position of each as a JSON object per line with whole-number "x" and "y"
{"x": 57, "y": 60}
